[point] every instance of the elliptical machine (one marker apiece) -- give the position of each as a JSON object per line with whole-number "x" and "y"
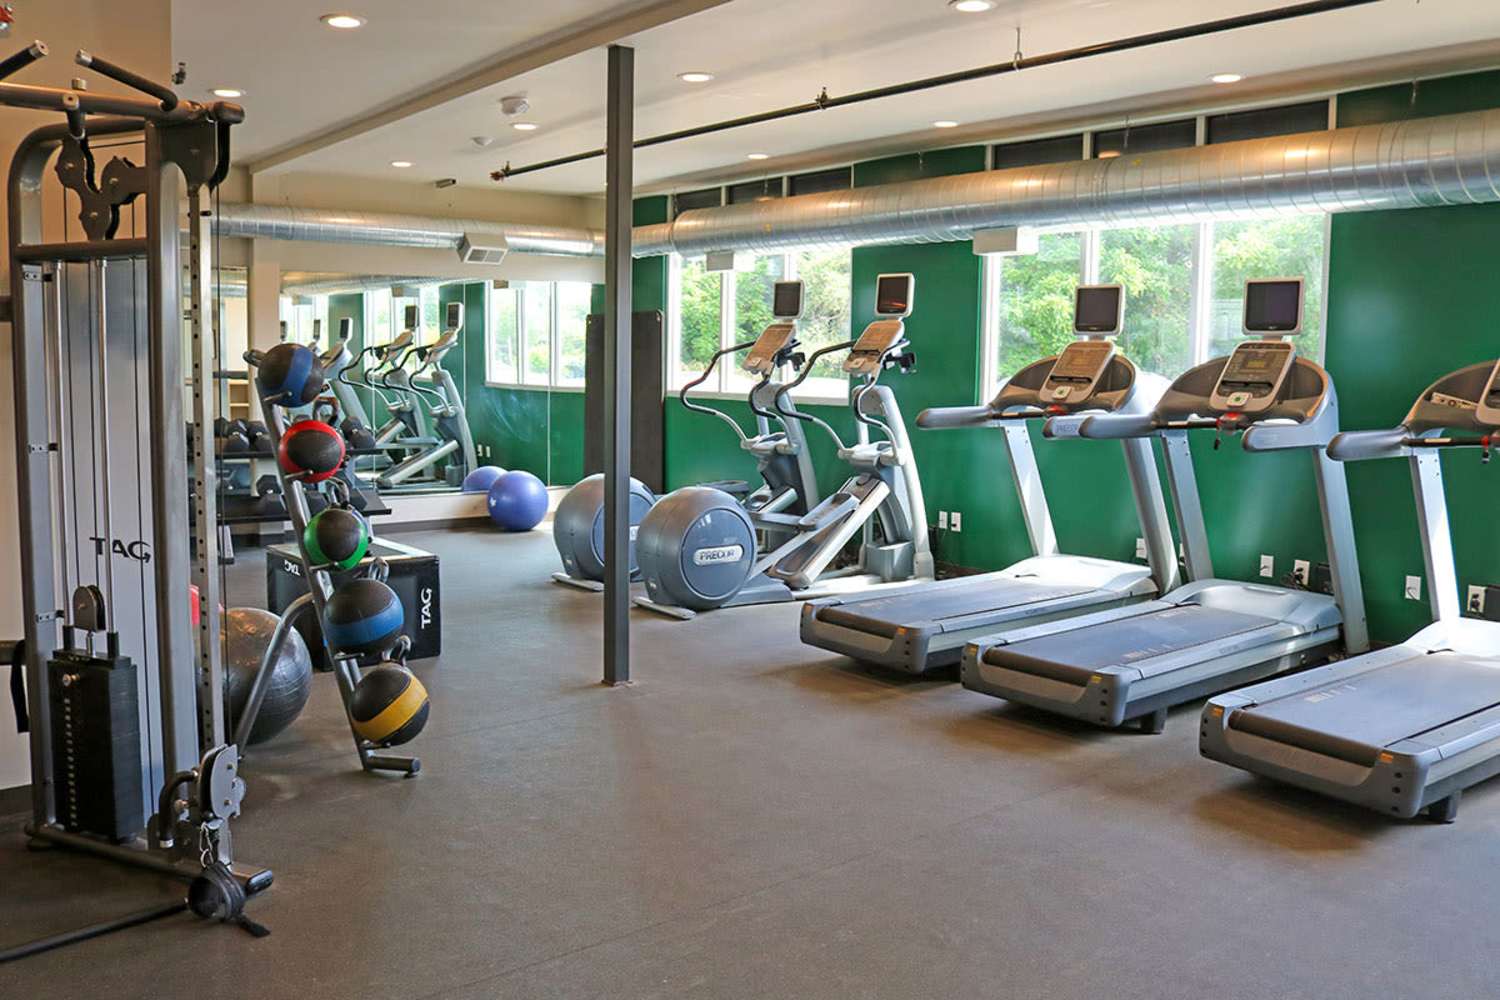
{"x": 698, "y": 549}
{"x": 788, "y": 484}
{"x": 454, "y": 443}
{"x": 353, "y": 419}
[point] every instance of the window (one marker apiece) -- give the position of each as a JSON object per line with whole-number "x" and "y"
{"x": 1184, "y": 289}
{"x": 536, "y": 333}
{"x": 306, "y": 319}
{"x": 1258, "y": 123}
{"x": 378, "y": 317}
{"x": 1036, "y": 152}
{"x": 1146, "y": 138}
{"x": 711, "y": 310}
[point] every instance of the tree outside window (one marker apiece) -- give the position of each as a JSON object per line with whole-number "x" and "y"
{"x": 1178, "y": 313}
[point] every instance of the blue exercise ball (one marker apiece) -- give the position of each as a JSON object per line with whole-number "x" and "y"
{"x": 482, "y": 478}
{"x": 518, "y": 501}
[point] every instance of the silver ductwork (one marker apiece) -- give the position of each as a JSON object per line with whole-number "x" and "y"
{"x": 322, "y": 225}
{"x": 1447, "y": 160}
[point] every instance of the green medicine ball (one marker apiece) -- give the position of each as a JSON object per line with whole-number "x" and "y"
{"x": 336, "y": 537}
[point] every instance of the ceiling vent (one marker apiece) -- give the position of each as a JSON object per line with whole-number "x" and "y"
{"x": 474, "y": 249}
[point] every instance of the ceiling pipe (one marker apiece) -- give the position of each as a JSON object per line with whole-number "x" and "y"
{"x": 1446, "y": 160}
{"x": 321, "y": 225}
{"x": 823, "y": 102}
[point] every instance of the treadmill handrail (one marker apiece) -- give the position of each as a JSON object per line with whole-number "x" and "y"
{"x": 1118, "y": 426}
{"x": 1357, "y": 446}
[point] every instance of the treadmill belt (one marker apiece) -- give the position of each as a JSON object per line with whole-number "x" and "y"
{"x": 1126, "y": 641}
{"x": 1355, "y": 717}
{"x": 927, "y": 606}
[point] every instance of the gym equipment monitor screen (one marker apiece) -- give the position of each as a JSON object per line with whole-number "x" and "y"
{"x": 786, "y": 300}
{"x": 455, "y": 315}
{"x": 1097, "y": 309}
{"x": 893, "y": 294}
{"x": 1273, "y": 306}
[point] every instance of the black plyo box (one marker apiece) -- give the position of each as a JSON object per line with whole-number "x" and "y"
{"x": 414, "y": 576}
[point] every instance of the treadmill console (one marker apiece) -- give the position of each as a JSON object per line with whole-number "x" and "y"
{"x": 773, "y": 339}
{"x": 1097, "y": 314}
{"x": 1077, "y": 371}
{"x": 1253, "y": 376}
{"x": 1489, "y": 402}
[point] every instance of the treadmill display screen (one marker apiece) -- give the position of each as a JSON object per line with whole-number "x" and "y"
{"x": 893, "y": 295}
{"x": 786, "y": 300}
{"x": 1096, "y": 309}
{"x": 1273, "y": 306}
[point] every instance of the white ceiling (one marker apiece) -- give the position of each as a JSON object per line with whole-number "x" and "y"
{"x": 765, "y": 53}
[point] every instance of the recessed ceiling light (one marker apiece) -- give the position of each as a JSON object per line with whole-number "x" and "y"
{"x": 695, "y": 76}
{"x": 972, "y": 6}
{"x": 525, "y": 126}
{"x": 344, "y": 22}
{"x": 401, "y": 164}
{"x": 757, "y": 156}
{"x": 1227, "y": 77}
{"x": 945, "y": 123}
{"x": 228, "y": 93}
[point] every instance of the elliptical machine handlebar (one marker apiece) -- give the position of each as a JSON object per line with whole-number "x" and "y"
{"x": 787, "y": 355}
{"x": 807, "y": 368}
{"x": 682, "y": 394}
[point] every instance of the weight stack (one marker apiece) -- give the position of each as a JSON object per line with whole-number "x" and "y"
{"x": 96, "y": 744}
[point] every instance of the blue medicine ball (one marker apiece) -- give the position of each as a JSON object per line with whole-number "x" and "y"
{"x": 290, "y": 375}
{"x": 363, "y": 616}
{"x": 518, "y": 501}
{"x": 482, "y": 478}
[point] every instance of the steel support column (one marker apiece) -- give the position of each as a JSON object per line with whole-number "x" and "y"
{"x": 619, "y": 218}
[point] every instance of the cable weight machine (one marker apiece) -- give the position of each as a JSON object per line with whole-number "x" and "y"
{"x": 123, "y": 685}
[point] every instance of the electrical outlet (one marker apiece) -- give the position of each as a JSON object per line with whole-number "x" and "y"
{"x": 1475, "y": 603}
{"x": 1301, "y": 570}
{"x": 1140, "y": 548}
{"x": 1268, "y": 567}
{"x": 957, "y": 520}
{"x": 943, "y": 520}
{"x": 1413, "y": 588}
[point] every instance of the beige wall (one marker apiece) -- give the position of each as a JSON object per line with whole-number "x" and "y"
{"x": 137, "y": 34}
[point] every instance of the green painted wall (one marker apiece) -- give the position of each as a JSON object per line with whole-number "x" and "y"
{"x": 1413, "y": 296}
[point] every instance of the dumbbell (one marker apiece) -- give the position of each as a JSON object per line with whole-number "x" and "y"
{"x": 260, "y": 437}
{"x": 357, "y": 434}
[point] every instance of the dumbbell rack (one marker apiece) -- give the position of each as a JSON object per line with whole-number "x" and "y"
{"x": 319, "y": 591}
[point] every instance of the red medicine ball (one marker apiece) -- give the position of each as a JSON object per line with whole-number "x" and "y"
{"x": 311, "y": 451}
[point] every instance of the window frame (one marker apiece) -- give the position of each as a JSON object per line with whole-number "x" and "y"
{"x": 518, "y": 346}
{"x": 1200, "y": 303}
{"x": 820, "y": 391}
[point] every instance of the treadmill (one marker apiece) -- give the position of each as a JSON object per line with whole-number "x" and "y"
{"x": 1406, "y": 729}
{"x": 1132, "y": 664}
{"x": 918, "y": 628}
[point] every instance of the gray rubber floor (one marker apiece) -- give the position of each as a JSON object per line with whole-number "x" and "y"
{"x": 755, "y": 819}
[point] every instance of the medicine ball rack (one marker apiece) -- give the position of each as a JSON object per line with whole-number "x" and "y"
{"x": 320, "y": 586}
{"x": 129, "y": 756}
